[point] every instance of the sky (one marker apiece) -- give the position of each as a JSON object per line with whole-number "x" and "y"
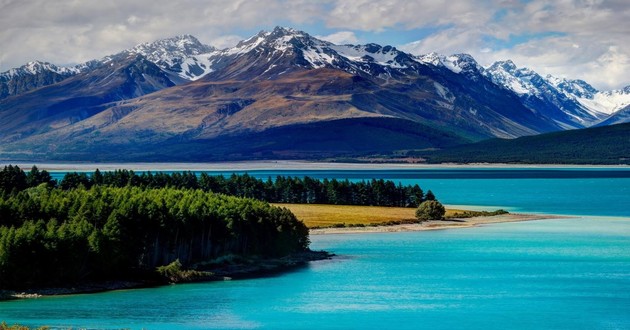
{"x": 577, "y": 39}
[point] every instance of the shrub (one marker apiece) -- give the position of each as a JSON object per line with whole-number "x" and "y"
{"x": 430, "y": 210}
{"x": 174, "y": 273}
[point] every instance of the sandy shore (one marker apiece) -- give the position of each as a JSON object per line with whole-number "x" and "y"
{"x": 437, "y": 225}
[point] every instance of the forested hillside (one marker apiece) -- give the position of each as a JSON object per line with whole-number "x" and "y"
{"x": 608, "y": 145}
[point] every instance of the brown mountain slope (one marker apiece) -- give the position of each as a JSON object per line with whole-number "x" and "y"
{"x": 218, "y": 113}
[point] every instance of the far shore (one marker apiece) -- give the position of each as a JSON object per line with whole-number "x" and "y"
{"x": 272, "y": 165}
{"x": 438, "y": 224}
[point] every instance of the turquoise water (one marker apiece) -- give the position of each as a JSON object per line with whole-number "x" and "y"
{"x": 552, "y": 274}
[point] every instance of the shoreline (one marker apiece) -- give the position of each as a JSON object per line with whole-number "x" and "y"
{"x": 439, "y": 224}
{"x": 257, "y": 268}
{"x": 275, "y": 165}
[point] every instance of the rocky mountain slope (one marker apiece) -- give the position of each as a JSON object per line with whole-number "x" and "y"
{"x": 78, "y": 98}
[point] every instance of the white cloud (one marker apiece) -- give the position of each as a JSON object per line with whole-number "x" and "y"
{"x": 449, "y": 41}
{"x": 340, "y": 38}
{"x": 587, "y": 40}
{"x": 133, "y": 19}
{"x": 370, "y": 15}
{"x": 226, "y": 41}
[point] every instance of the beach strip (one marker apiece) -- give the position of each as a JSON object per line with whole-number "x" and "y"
{"x": 437, "y": 224}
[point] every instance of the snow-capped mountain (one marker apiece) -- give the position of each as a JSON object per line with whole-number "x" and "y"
{"x": 572, "y": 103}
{"x": 548, "y": 95}
{"x": 619, "y": 117}
{"x": 583, "y": 104}
{"x": 457, "y": 63}
{"x": 274, "y": 52}
{"x": 35, "y": 67}
{"x": 283, "y": 83}
{"x": 607, "y": 102}
{"x": 574, "y": 87}
{"x": 33, "y": 75}
{"x": 184, "y": 56}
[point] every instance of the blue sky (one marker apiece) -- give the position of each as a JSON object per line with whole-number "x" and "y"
{"x": 584, "y": 39}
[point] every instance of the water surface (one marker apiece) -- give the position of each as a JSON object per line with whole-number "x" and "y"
{"x": 553, "y": 274}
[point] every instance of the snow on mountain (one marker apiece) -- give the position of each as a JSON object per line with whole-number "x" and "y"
{"x": 274, "y": 48}
{"x": 372, "y": 53}
{"x": 506, "y": 74}
{"x": 619, "y": 117}
{"x": 184, "y": 56}
{"x": 170, "y": 50}
{"x": 606, "y": 102}
{"x": 546, "y": 95}
{"x": 283, "y": 41}
{"x": 280, "y": 39}
{"x": 36, "y": 67}
{"x": 34, "y": 75}
{"x": 526, "y": 82}
{"x": 458, "y": 63}
{"x": 575, "y": 87}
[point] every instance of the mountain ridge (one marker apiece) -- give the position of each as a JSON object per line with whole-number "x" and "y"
{"x": 186, "y": 59}
{"x": 183, "y": 94}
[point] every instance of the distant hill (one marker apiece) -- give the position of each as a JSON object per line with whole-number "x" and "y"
{"x": 599, "y": 145}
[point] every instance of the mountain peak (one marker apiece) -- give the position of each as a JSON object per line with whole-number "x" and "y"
{"x": 37, "y": 67}
{"x": 464, "y": 62}
{"x": 281, "y": 30}
{"x": 280, "y": 36}
{"x": 507, "y": 66}
{"x": 279, "y": 39}
{"x": 432, "y": 58}
{"x": 169, "y": 48}
{"x": 457, "y": 63}
{"x": 573, "y": 87}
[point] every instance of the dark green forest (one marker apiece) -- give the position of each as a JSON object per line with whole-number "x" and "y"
{"x": 121, "y": 225}
{"x": 608, "y": 145}
{"x": 278, "y": 190}
{"x": 52, "y": 236}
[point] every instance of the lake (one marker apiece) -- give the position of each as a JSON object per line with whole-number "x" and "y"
{"x": 565, "y": 273}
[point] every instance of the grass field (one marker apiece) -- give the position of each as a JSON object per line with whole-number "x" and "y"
{"x": 324, "y": 215}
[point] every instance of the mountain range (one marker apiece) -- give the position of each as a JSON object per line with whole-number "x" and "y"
{"x": 281, "y": 94}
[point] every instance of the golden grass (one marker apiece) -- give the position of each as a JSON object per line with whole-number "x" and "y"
{"x": 325, "y": 215}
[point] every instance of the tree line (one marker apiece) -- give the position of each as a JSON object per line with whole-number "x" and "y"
{"x": 124, "y": 225}
{"x": 51, "y": 236}
{"x": 279, "y": 190}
